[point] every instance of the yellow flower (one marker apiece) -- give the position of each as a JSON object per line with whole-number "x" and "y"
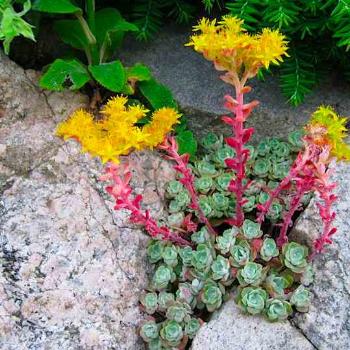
{"x": 328, "y": 128}
{"x": 116, "y": 134}
{"x": 232, "y": 49}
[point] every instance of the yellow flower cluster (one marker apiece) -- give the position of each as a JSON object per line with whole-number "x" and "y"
{"x": 327, "y": 128}
{"x": 116, "y": 134}
{"x": 232, "y": 49}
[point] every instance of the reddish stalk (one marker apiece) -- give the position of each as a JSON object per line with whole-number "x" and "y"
{"x": 171, "y": 148}
{"x": 119, "y": 177}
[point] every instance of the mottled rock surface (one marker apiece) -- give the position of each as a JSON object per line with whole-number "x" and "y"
{"x": 195, "y": 84}
{"x": 70, "y": 268}
{"x": 230, "y": 329}
{"x": 327, "y": 324}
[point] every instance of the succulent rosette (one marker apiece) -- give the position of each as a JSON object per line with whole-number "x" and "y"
{"x": 294, "y": 256}
{"x": 211, "y": 295}
{"x": 185, "y": 293}
{"x": 282, "y": 150}
{"x": 222, "y": 154}
{"x": 176, "y": 219}
{"x": 219, "y": 201}
{"x": 192, "y": 327}
{"x": 240, "y": 253}
{"x": 249, "y": 204}
{"x": 185, "y": 254}
{"x": 251, "y": 274}
{"x": 202, "y": 258}
{"x": 222, "y": 181}
{"x": 211, "y": 141}
{"x": 155, "y": 250}
{"x": 252, "y": 300}
{"x": 275, "y": 212}
{"x": 204, "y": 184}
{"x": 171, "y": 333}
{"x": 183, "y": 199}
{"x": 226, "y": 240}
{"x": 295, "y": 139}
{"x": 173, "y": 188}
{"x": 251, "y": 229}
{"x": 201, "y": 236}
{"x": 255, "y": 187}
{"x": 149, "y": 331}
{"x": 162, "y": 277}
{"x": 205, "y": 205}
{"x": 301, "y": 299}
{"x": 280, "y": 170}
{"x": 268, "y": 249}
{"x": 165, "y": 299}
{"x": 263, "y": 197}
{"x": 179, "y": 312}
{"x": 204, "y": 168}
{"x": 277, "y": 310}
{"x": 169, "y": 255}
{"x": 276, "y": 283}
{"x": 263, "y": 147}
{"x": 220, "y": 268}
{"x": 149, "y": 302}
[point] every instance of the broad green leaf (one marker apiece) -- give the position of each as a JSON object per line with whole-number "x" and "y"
{"x": 71, "y": 33}
{"x": 139, "y": 72}
{"x": 110, "y": 28}
{"x": 56, "y": 6}
{"x": 63, "y": 74}
{"x": 157, "y": 94}
{"x": 187, "y": 143}
{"x": 12, "y": 25}
{"x": 110, "y": 75}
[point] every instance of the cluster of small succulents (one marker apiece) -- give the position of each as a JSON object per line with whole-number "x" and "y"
{"x": 190, "y": 280}
{"x": 268, "y": 163}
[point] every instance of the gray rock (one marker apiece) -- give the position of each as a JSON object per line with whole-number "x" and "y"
{"x": 196, "y": 86}
{"x": 71, "y": 269}
{"x": 230, "y": 329}
{"x": 327, "y": 324}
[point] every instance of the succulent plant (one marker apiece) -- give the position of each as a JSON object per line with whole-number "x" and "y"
{"x": 201, "y": 236}
{"x": 150, "y": 302}
{"x": 251, "y": 274}
{"x": 294, "y": 256}
{"x": 173, "y": 188}
{"x": 223, "y": 181}
{"x": 204, "y": 184}
{"x": 205, "y": 205}
{"x": 275, "y": 212}
{"x": 185, "y": 255}
{"x": 179, "y": 311}
{"x": 192, "y": 327}
{"x": 171, "y": 333}
{"x": 280, "y": 170}
{"x": 272, "y": 184}
{"x": 205, "y": 168}
{"x": 308, "y": 275}
{"x": 268, "y": 249}
{"x": 183, "y": 199}
{"x": 202, "y": 258}
{"x": 295, "y": 138}
{"x": 263, "y": 197}
{"x": 155, "y": 344}
{"x": 162, "y": 276}
{"x": 251, "y": 229}
{"x": 223, "y": 153}
{"x": 155, "y": 250}
{"x": 219, "y": 201}
{"x": 249, "y": 205}
{"x": 220, "y": 268}
{"x": 211, "y": 141}
{"x": 261, "y": 167}
{"x": 211, "y": 295}
{"x": 252, "y": 300}
{"x": 149, "y": 331}
{"x": 276, "y": 283}
{"x": 277, "y": 309}
{"x": 176, "y": 219}
{"x": 226, "y": 240}
{"x": 301, "y": 299}
{"x": 164, "y": 300}
{"x": 255, "y": 187}
{"x": 282, "y": 150}
{"x": 175, "y": 207}
{"x": 185, "y": 293}
{"x": 263, "y": 147}
{"x": 240, "y": 253}
{"x": 169, "y": 255}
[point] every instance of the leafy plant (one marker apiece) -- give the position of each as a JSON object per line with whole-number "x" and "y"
{"x": 12, "y": 24}
{"x": 317, "y": 30}
{"x": 222, "y": 244}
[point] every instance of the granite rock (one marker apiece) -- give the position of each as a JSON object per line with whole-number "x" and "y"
{"x": 71, "y": 268}
{"x": 229, "y": 328}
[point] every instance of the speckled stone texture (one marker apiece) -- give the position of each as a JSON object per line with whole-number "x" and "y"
{"x": 71, "y": 269}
